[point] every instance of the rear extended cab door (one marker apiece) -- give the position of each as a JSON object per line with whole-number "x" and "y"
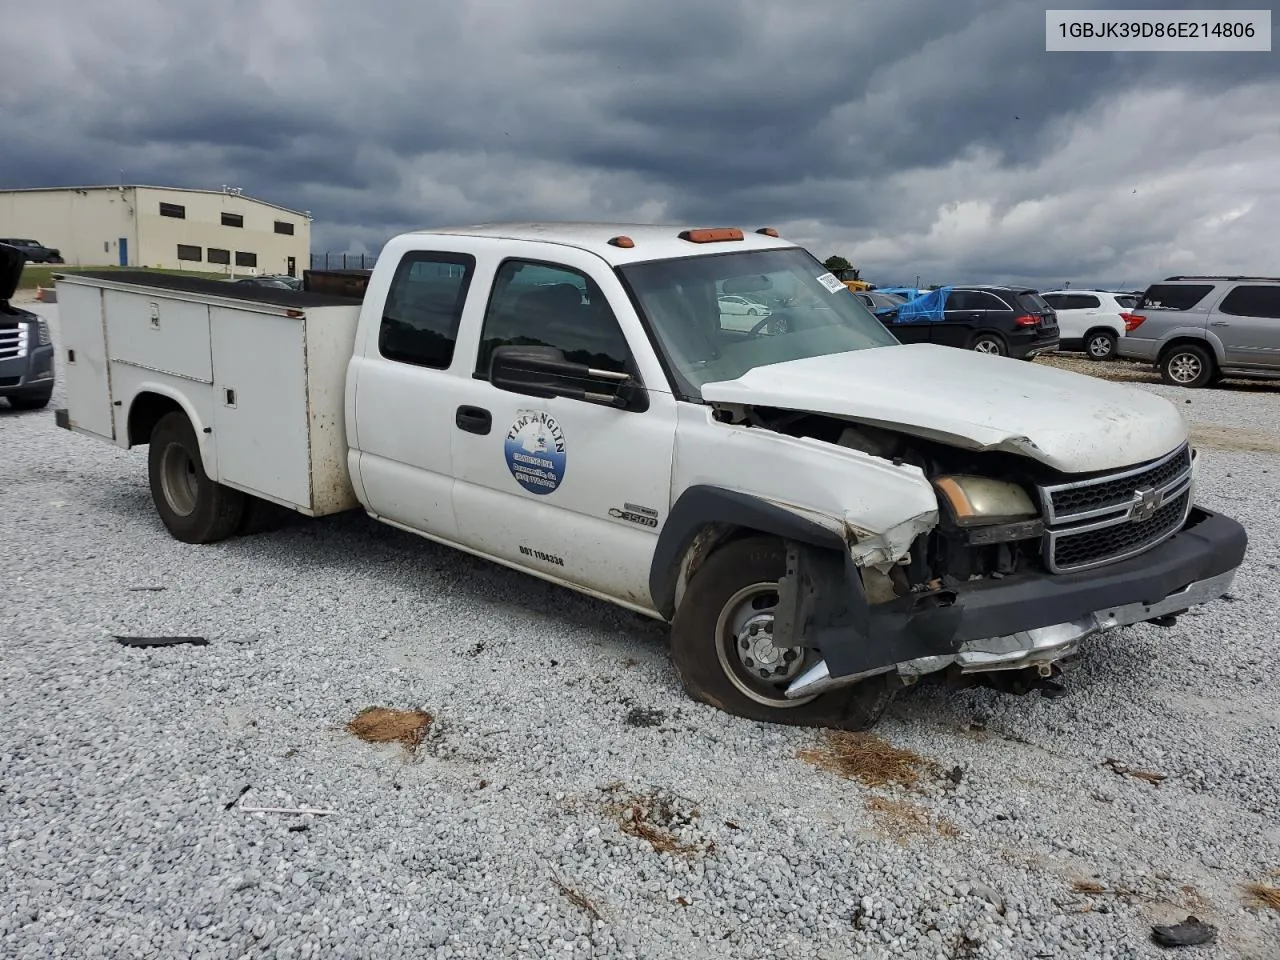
{"x": 572, "y": 490}
{"x": 1247, "y": 322}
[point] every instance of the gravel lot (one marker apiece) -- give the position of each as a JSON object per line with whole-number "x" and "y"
{"x": 506, "y": 832}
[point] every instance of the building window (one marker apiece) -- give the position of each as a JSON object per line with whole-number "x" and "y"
{"x": 175, "y": 210}
{"x": 188, "y": 252}
{"x": 246, "y": 259}
{"x": 232, "y": 220}
{"x": 285, "y": 228}
{"x": 219, "y": 256}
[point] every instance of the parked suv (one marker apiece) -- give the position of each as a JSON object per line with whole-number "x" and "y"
{"x": 1091, "y": 320}
{"x": 35, "y": 252}
{"x": 1197, "y": 330}
{"x": 26, "y": 349}
{"x": 1008, "y": 321}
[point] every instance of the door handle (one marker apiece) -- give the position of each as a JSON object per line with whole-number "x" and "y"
{"x": 474, "y": 420}
{"x": 1219, "y": 323}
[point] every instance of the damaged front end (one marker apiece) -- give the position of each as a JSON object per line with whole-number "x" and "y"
{"x": 1017, "y": 567}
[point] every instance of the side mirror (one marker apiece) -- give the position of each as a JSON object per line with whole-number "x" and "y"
{"x": 544, "y": 372}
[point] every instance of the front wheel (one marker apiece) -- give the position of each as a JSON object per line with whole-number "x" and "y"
{"x": 1187, "y": 366}
{"x": 1100, "y": 345}
{"x": 722, "y": 646}
{"x": 192, "y": 507}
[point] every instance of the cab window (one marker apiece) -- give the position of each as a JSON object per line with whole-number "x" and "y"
{"x": 424, "y": 306}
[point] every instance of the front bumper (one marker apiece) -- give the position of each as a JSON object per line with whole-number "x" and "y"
{"x": 1033, "y": 619}
{"x": 32, "y": 373}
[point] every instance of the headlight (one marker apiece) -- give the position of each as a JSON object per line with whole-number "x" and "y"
{"x": 982, "y": 500}
{"x": 43, "y": 333}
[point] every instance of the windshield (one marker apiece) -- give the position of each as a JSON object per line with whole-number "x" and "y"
{"x": 796, "y": 310}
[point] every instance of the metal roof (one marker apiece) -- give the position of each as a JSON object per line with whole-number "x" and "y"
{"x": 149, "y": 186}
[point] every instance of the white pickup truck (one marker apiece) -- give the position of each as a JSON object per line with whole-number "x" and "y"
{"x": 821, "y": 513}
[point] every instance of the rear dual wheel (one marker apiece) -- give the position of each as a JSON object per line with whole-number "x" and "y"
{"x": 193, "y": 508}
{"x": 722, "y": 644}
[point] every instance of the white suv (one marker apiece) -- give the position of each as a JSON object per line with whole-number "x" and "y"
{"x": 1091, "y": 320}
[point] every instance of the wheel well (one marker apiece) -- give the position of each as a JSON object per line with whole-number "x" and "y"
{"x": 1187, "y": 342}
{"x": 993, "y": 334}
{"x": 145, "y": 413}
{"x": 1100, "y": 329}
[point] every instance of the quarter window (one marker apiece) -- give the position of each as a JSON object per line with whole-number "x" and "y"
{"x": 1252, "y": 301}
{"x": 424, "y": 307}
{"x": 538, "y": 304}
{"x": 1174, "y": 296}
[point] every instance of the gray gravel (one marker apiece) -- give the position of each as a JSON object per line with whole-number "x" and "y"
{"x": 555, "y": 715}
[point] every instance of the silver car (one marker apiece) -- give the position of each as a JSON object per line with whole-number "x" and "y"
{"x": 1198, "y": 330}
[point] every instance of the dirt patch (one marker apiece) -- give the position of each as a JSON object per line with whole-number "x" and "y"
{"x": 868, "y": 758}
{"x": 1235, "y": 439}
{"x": 903, "y": 820}
{"x": 384, "y": 725}
{"x": 666, "y": 821}
{"x": 1263, "y": 895}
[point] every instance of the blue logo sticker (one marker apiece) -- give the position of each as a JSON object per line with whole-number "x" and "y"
{"x": 535, "y": 451}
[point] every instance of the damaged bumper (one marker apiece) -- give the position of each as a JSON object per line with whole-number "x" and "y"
{"x": 1029, "y": 620}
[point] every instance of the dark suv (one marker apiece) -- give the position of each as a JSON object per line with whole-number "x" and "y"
{"x": 1008, "y": 321}
{"x": 35, "y": 252}
{"x": 26, "y": 349}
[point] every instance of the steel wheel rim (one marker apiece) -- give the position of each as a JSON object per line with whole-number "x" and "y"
{"x": 988, "y": 347}
{"x": 1184, "y": 367}
{"x": 753, "y": 605}
{"x": 178, "y": 479}
{"x": 1100, "y": 346}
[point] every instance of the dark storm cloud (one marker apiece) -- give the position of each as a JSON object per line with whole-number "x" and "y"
{"x": 930, "y": 135}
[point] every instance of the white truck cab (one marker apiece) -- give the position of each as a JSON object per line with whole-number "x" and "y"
{"x": 821, "y": 513}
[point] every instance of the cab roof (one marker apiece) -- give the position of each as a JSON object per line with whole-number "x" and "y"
{"x": 650, "y": 241}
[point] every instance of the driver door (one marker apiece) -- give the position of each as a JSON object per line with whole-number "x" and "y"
{"x": 574, "y": 489}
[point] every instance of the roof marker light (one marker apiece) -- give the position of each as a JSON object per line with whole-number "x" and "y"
{"x": 625, "y": 242}
{"x": 712, "y": 235}
{"x": 768, "y": 231}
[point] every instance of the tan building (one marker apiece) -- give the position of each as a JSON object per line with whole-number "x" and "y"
{"x": 218, "y": 231}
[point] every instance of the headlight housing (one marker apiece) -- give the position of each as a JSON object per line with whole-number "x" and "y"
{"x": 978, "y": 501}
{"x": 43, "y": 336}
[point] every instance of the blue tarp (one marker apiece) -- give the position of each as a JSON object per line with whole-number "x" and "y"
{"x": 908, "y": 292}
{"x": 925, "y": 309}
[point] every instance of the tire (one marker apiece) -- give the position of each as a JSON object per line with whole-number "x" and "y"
{"x": 193, "y": 508}
{"x": 1187, "y": 365}
{"x": 753, "y": 312}
{"x": 31, "y": 401}
{"x": 706, "y": 658}
{"x": 1100, "y": 344}
{"x": 989, "y": 343}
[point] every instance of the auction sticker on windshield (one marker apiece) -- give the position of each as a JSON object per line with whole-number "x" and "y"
{"x": 535, "y": 451}
{"x": 831, "y": 282}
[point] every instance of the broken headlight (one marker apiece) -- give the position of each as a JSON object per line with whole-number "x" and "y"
{"x": 990, "y": 510}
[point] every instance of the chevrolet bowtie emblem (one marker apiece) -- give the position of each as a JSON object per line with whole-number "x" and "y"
{"x": 1146, "y": 502}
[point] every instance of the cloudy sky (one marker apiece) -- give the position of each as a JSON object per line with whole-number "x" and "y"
{"x": 934, "y": 138}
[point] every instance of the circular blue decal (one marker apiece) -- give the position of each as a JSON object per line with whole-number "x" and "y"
{"x": 535, "y": 451}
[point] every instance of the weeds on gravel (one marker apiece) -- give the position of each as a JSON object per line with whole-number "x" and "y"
{"x": 1264, "y": 895}
{"x": 384, "y": 725}
{"x": 575, "y": 896}
{"x": 868, "y": 758}
{"x": 657, "y": 817}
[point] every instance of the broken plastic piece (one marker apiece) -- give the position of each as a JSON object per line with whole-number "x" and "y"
{"x": 159, "y": 641}
{"x": 1191, "y": 932}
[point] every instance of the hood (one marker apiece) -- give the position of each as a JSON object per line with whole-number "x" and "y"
{"x": 11, "y": 261}
{"x": 1068, "y": 421}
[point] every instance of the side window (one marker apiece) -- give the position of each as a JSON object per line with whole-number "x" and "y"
{"x": 1059, "y": 301}
{"x": 538, "y": 304}
{"x": 423, "y": 308}
{"x": 1088, "y": 301}
{"x": 960, "y": 300}
{"x": 1174, "y": 296}
{"x": 1252, "y": 301}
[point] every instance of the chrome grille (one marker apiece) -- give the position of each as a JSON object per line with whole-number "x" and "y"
{"x": 13, "y": 340}
{"x": 1109, "y": 518}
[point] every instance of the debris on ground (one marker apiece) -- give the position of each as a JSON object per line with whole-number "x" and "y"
{"x": 664, "y": 819}
{"x": 158, "y": 641}
{"x": 384, "y": 725}
{"x": 1264, "y": 895}
{"x": 867, "y": 757}
{"x": 903, "y": 820}
{"x": 146, "y": 589}
{"x": 1123, "y": 769}
{"x": 1191, "y": 932}
{"x": 575, "y": 896}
